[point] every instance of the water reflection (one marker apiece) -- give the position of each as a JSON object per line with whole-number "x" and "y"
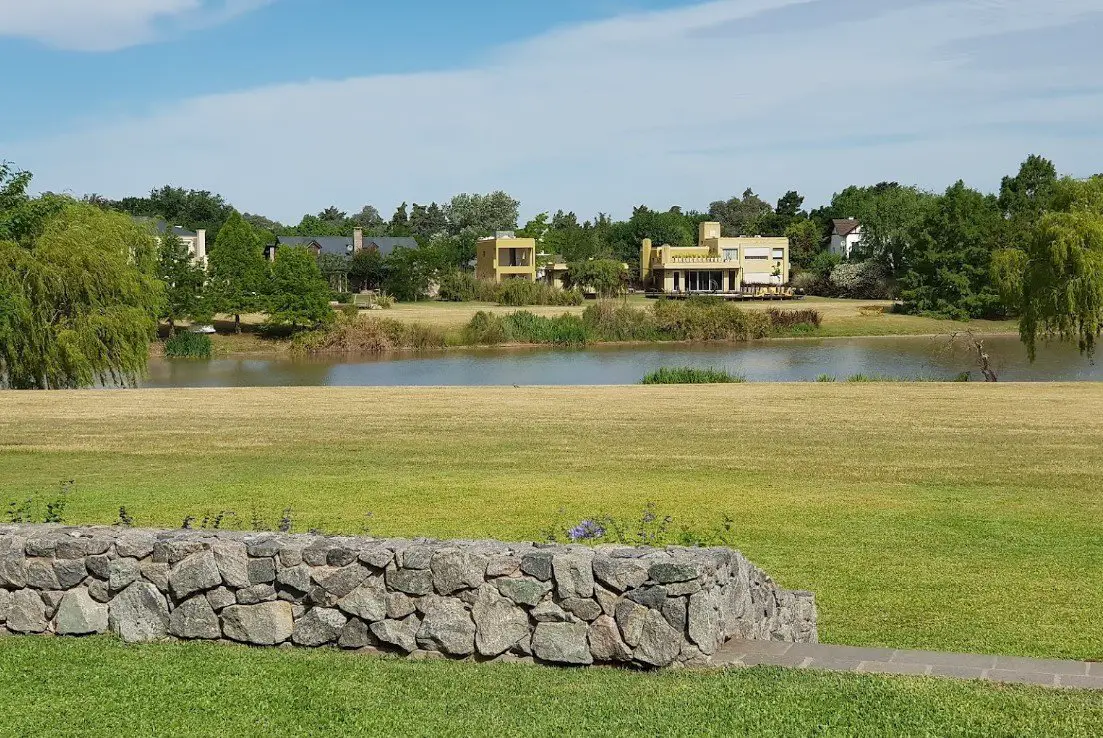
{"x": 766, "y": 361}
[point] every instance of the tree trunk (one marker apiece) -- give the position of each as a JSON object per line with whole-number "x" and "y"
{"x": 172, "y": 328}
{"x": 237, "y": 323}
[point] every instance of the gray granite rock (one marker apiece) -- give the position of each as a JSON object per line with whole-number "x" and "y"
{"x": 41, "y": 575}
{"x": 410, "y": 581}
{"x": 581, "y": 608}
{"x": 574, "y": 575}
{"x": 266, "y": 624}
{"x": 134, "y": 544}
{"x": 667, "y": 572}
{"x": 355, "y": 634}
{"x": 13, "y": 569}
{"x": 256, "y": 594}
{"x": 156, "y": 574}
{"x": 454, "y": 569}
{"x": 79, "y": 614}
{"x": 99, "y": 566}
{"x": 139, "y": 614}
{"x": 69, "y": 572}
{"x": 194, "y": 619}
{"x": 319, "y": 626}
{"x": 262, "y": 571}
{"x": 220, "y": 597}
{"x": 400, "y": 633}
{"x": 27, "y": 613}
{"x": 659, "y": 644}
{"x": 97, "y": 590}
{"x": 499, "y": 624}
{"x": 296, "y": 577}
{"x": 377, "y": 558}
{"x": 538, "y": 565}
{"x": 340, "y": 582}
{"x": 630, "y": 618}
{"x": 415, "y": 557}
{"x": 704, "y": 621}
{"x": 523, "y": 590}
{"x": 562, "y": 643}
{"x": 232, "y": 561}
{"x": 121, "y": 573}
{"x": 368, "y": 601}
{"x": 5, "y": 604}
{"x": 196, "y": 572}
{"x": 448, "y": 626}
{"x": 620, "y": 575}
{"x": 549, "y": 612}
{"x": 605, "y": 641}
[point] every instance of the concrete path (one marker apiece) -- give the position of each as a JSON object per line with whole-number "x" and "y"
{"x": 1008, "y": 669}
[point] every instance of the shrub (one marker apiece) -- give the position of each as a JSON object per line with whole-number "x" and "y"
{"x": 364, "y": 334}
{"x": 864, "y": 280}
{"x": 608, "y": 321}
{"x": 709, "y": 319}
{"x": 187, "y": 345}
{"x": 458, "y": 287}
{"x": 690, "y": 375}
{"x": 521, "y": 293}
{"x": 487, "y": 329}
{"x": 788, "y": 319}
{"x": 350, "y": 310}
{"x": 342, "y": 297}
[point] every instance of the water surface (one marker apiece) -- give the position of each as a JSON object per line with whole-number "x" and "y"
{"x": 759, "y": 361}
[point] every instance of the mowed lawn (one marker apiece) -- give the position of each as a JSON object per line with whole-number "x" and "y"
{"x": 942, "y": 516}
{"x": 840, "y": 317}
{"x": 100, "y": 687}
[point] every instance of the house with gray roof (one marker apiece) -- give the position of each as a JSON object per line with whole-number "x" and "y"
{"x": 343, "y": 245}
{"x": 196, "y": 241}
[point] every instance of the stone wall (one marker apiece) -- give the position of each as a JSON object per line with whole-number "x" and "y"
{"x": 482, "y": 599}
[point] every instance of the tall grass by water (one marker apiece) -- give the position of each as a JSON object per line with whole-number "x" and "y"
{"x": 368, "y": 335}
{"x": 465, "y": 287}
{"x": 188, "y": 345}
{"x": 691, "y": 375}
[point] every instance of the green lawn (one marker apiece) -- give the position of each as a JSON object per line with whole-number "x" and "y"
{"x": 100, "y": 687}
{"x": 944, "y": 516}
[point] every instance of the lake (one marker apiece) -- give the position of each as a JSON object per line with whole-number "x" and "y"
{"x": 794, "y": 360}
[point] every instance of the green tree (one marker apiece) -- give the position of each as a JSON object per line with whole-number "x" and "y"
{"x": 951, "y": 263}
{"x": 1058, "y": 278}
{"x": 366, "y": 270}
{"x": 607, "y": 277}
{"x": 407, "y": 274}
{"x": 299, "y": 295}
{"x": 237, "y": 270}
{"x": 335, "y": 270}
{"x": 400, "y": 222}
{"x": 192, "y": 209}
{"x": 427, "y": 222}
{"x": 890, "y": 215}
{"x": 78, "y": 302}
{"x": 805, "y": 241}
{"x": 370, "y": 220}
{"x": 183, "y": 283}
{"x": 748, "y": 215}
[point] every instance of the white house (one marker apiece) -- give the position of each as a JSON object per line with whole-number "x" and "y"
{"x": 846, "y": 236}
{"x": 196, "y": 241}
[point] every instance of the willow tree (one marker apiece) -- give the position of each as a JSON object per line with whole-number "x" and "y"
{"x": 1056, "y": 281}
{"x": 77, "y": 302}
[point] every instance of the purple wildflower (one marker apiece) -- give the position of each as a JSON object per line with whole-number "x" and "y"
{"x": 585, "y": 531}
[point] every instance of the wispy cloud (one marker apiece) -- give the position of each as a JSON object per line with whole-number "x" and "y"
{"x": 109, "y": 25}
{"x": 664, "y": 107}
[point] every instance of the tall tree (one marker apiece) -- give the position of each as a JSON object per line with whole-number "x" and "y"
{"x": 370, "y": 220}
{"x": 951, "y": 263}
{"x": 366, "y": 270}
{"x": 192, "y": 209}
{"x": 183, "y": 281}
{"x": 890, "y": 214}
{"x": 1056, "y": 283}
{"x": 805, "y": 241}
{"x": 742, "y": 216}
{"x": 299, "y": 295}
{"x": 427, "y": 222}
{"x": 400, "y": 222}
{"x": 237, "y": 270}
{"x": 77, "y": 301}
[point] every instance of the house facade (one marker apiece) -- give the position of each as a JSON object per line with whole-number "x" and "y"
{"x": 345, "y": 246}
{"x": 196, "y": 241}
{"x": 846, "y": 236}
{"x": 551, "y": 270}
{"x": 504, "y": 256}
{"x": 716, "y": 264}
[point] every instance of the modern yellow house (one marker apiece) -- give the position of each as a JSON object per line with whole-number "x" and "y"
{"x": 745, "y": 264}
{"x": 504, "y": 256}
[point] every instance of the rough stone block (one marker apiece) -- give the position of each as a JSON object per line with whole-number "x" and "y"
{"x": 27, "y": 613}
{"x": 448, "y": 625}
{"x": 196, "y": 572}
{"x": 400, "y": 633}
{"x": 139, "y": 614}
{"x": 262, "y": 571}
{"x": 319, "y": 626}
{"x": 524, "y": 591}
{"x": 574, "y": 575}
{"x": 232, "y": 560}
{"x": 256, "y": 594}
{"x": 194, "y": 619}
{"x": 605, "y": 641}
{"x": 266, "y": 624}
{"x": 454, "y": 570}
{"x": 499, "y": 624}
{"x": 620, "y": 574}
{"x": 368, "y": 601}
{"x": 410, "y": 581}
{"x": 562, "y": 643}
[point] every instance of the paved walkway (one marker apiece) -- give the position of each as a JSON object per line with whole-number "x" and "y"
{"x": 1009, "y": 669}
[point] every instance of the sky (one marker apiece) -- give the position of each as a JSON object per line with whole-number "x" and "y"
{"x": 288, "y": 106}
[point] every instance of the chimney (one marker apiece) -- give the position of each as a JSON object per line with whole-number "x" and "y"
{"x": 201, "y": 247}
{"x": 357, "y": 240}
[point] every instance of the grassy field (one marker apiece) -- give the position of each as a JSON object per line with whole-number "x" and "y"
{"x": 944, "y": 516}
{"x": 99, "y": 687}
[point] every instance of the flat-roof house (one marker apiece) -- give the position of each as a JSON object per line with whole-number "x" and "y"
{"x": 551, "y": 269}
{"x": 504, "y": 256}
{"x": 716, "y": 264}
{"x": 846, "y": 236}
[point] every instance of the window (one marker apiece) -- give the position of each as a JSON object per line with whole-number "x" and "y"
{"x": 731, "y": 254}
{"x": 779, "y": 253}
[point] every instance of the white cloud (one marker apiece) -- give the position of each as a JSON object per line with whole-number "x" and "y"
{"x": 681, "y": 106}
{"x": 108, "y": 25}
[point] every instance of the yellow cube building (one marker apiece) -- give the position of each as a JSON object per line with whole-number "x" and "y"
{"x": 504, "y": 256}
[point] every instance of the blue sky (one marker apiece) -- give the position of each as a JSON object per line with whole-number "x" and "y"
{"x": 286, "y": 106}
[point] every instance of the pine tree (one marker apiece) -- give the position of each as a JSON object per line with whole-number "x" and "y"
{"x": 299, "y": 295}
{"x": 183, "y": 280}
{"x": 238, "y": 272}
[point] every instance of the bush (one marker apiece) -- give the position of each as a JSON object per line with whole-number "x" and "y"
{"x": 862, "y": 280}
{"x": 464, "y": 287}
{"x": 487, "y": 329}
{"x": 342, "y": 297}
{"x": 186, "y": 345}
{"x": 709, "y": 319}
{"x": 788, "y": 319}
{"x": 690, "y": 375}
{"x": 608, "y": 321}
{"x": 364, "y": 334}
